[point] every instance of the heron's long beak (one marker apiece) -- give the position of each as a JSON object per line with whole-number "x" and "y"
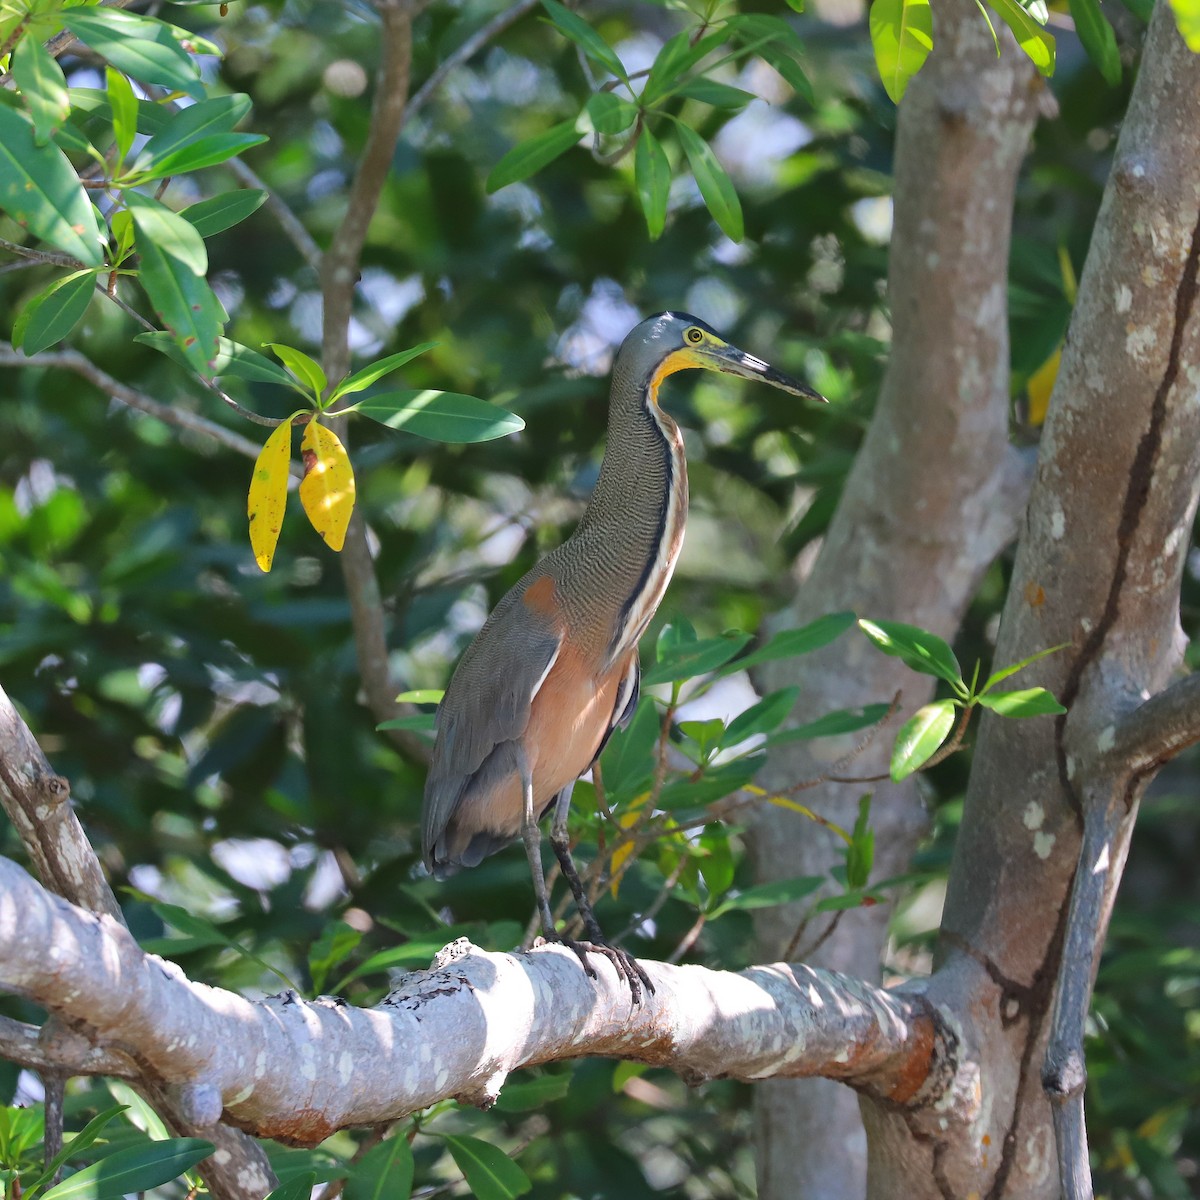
{"x": 733, "y": 361}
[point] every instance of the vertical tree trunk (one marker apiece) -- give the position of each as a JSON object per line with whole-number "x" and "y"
{"x": 932, "y": 498}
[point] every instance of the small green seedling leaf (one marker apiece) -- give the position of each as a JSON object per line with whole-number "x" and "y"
{"x": 920, "y": 737}
{"x": 917, "y": 648}
{"x": 1028, "y": 702}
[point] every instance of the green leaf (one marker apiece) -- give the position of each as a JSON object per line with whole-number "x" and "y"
{"x": 43, "y": 86}
{"x": 168, "y": 230}
{"x": 440, "y": 416}
{"x": 608, "y": 114}
{"x": 204, "y": 152}
{"x": 529, "y": 157}
{"x": 1005, "y": 672}
{"x": 1098, "y": 38}
{"x": 418, "y": 723}
{"x": 304, "y": 367}
{"x": 695, "y": 658}
{"x": 841, "y": 720}
{"x": 585, "y": 37}
{"x": 789, "y": 643}
{"x": 53, "y": 313}
{"x": 920, "y": 737}
{"x": 715, "y": 185}
{"x": 860, "y": 853}
{"x": 678, "y": 631}
{"x": 902, "y": 36}
{"x": 385, "y": 1172}
{"x": 1031, "y": 37}
{"x": 124, "y": 107}
{"x": 715, "y": 784}
{"x": 533, "y": 1094}
{"x": 336, "y": 943}
{"x": 1028, "y": 702}
{"x": 75, "y": 1145}
{"x": 41, "y": 192}
{"x": 213, "y": 116}
{"x": 299, "y": 1188}
{"x": 676, "y": 58}
{"x": 489, "y": 1172}
{"x": 718, "y": 95}
{"x": 782, "y": 60}
{"x": 768, "y": 714}
{"x": 917, "y": 648}
{"x": 717, "y": 866}
{"x": 421, "y": 696}
{"x": 138, "y": 1112}
{"x": 222, "y": 212}
{"x": 652, "y": 175}
{"x": 142, "y": 47}
{"x": 231, "y": 359}
{"x": 361, "y": 380}
{"x": 628, "y": 760}
{"x": 856, "y": 898}
{"x": 134, "y": 1170}
{"x": 769, "y": 895}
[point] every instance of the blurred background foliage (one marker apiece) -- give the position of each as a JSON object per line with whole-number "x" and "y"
{"x": 207, "y": 714}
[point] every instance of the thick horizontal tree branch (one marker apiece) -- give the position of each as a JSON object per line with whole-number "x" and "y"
{"x": 28, "y": 1047}
{"x": 281, "y": 1067}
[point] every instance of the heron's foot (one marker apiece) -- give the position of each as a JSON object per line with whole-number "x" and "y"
{"x": 626, "y": 966}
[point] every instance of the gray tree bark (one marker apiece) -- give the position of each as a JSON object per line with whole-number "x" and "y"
{"x": 933, "y": 496}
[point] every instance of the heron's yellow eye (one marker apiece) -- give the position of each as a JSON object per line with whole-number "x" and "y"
{"x": 694, "y": 336}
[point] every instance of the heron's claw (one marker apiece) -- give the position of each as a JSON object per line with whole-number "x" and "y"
{"x": 626, "y": 966}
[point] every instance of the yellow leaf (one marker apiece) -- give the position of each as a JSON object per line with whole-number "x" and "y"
{"x": 626, "y": 820}
{"x": 327, "y": 489}
{"x": 1040, "y": 385}
{"x": 268, "y": 494}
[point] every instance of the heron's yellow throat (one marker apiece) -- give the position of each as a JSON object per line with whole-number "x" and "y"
{"x": 679, "y": 360}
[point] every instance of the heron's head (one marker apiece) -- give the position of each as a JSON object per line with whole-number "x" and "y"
{"x": 671, "y": 341}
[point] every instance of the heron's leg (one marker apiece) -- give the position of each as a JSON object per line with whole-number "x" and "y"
{"x": 532, "y": 837}
{"x": 627, "y": 967}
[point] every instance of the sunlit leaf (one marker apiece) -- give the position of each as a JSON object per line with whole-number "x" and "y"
{"x": 652, "y": 174}
{"x": 1027, "y": 702}
{"x": 917, "y": 648}
{"x": 42, "y": 85}
{"x": 124, "y": 107}
{"x": 168, "y": 230}
{"x": 902, "y": 37}
{"x": 361, "y": 380}
{"x": 1031, "y": 37}
{"x": 440, "y": 416}
{"x": 531, "y": 156}
{"x": 489, "y": 1172}
{"x": 41, "y": 192}
{"x": 715, "y": 186}
{"x": 920, "y": 737}
{"x": 1187, "y": 18}
{"x": 53, "y": 313}
{"x": 203, "y": 152}
{"x": 268, "y": 494}
{"x": 134, "y": 1170}
{"x": 421, "y": 696}
{"x": 327, "y": 489}
{"x": 1006, "y": 672}
{"x": 303, "y": 366}
{"x": 217, "y": 114}
{"x": 141, "y": 46}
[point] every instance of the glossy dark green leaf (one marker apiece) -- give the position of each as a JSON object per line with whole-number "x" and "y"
{"x": 628, "y": 760}
{"x": 1028, "y": 702}
{"x": 489, "y": 1172}
{"x": 385, "y": 1172}
{"x": 440, "y": 416}
{"x": 203, "y": 152}
{"x": 768, "y": 714}
{"x": 124, "y": 106}
{"x": 53, "y": 313}
{"x": 222, "y": 212}
{"x": 676, "y": 58}
{"x": 1098, "y": 39}
{"x": 677, "y": 632}
{"x": 585, "y": 37}
{"x": 134, "y": 1170}
{"x": 695, "y": 658}
{"x": 720, "y": 196}
{"x": 902, "y": 37}
{"x": 652, "y": 174}
{"x": 789, "y": 643}
{"x": 1031, "y": 37}
{"x": 171, "y": 233}
{"x": 361, "y": 380}
{"x": 142, "y": 47}
{"x": 917, "y": 648}
{"x": 299, "y": 1188}
{"x": 42, "y": 85}
{"x": 41, "y": 192}
{"x": 530, "y": 157}
{"x": 769, "y": 895}
{"x": 74, "y": 1146}
{"x": 920, "y": 737}
{"x": 531, "y": 1094}
{"x": 719, "y": 95}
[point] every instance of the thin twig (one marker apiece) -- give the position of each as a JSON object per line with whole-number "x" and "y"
{"x": 288, "y": 221}
{"x": 49, "y": 257}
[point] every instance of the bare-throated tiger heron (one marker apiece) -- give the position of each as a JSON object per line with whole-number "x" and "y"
{"x": 554, "y": 670}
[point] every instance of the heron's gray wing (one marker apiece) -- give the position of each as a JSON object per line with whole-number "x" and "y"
{"x": 486, "y": 706}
